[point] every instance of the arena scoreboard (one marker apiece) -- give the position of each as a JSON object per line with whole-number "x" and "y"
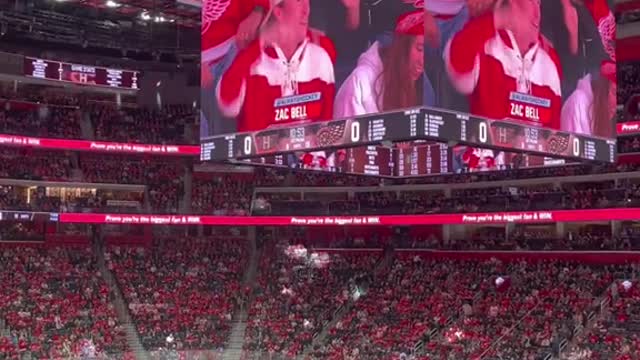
{"x": 424, "y": 123}
{"x": 446, "y": 110}
{"x": 81, "y": 74}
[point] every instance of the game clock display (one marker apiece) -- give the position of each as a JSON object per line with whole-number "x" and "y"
{"x": 81, "y": 74}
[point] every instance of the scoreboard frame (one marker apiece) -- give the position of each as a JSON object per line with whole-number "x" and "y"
{"x": 421, "y": 123}
{"x": 88, "y": 75}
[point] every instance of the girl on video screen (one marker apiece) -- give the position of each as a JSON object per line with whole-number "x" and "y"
{"x": 591, "y": 107}
{"x": 383, "y": 14}
{"x": 582, "y": 32}
{"x": 387, "y": 78}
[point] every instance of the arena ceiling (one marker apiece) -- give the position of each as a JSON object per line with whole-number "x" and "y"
{"x": 182, "y": 13}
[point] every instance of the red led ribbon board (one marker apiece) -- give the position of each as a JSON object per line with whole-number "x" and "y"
{"x": 387, "y": 220}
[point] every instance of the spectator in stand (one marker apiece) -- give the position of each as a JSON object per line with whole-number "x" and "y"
{"x": 614, "y": 336}
{"x": 50, "y": 114}
{"x": 629, "y": 144}
{"x": 575, "y": 196}
{"x": 28, "y": 164}
{"x": 629, "y": 80}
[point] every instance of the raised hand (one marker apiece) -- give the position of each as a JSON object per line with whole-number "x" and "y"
{"x": 431, "y": 30}
{"x": 571, "y": 22}
{"x": 479, "y": 7}
{"x": 248, "y": 29}
{"x": 351, "y": 4}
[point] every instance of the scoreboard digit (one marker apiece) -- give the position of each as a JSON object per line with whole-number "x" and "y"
{"x": 483, "y": 132}
{"x": 355, "y": 131}
{"x": 247, "y": 145}
{"x": 576, "y": 147}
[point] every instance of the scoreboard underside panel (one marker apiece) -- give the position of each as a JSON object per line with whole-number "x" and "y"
{"x": 409, "y": 142}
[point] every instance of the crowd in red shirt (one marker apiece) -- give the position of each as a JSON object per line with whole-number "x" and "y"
{"x": 163, "y": 177}
{"x": 614, "y": 337}
{"x": 232, "y": 193}
{"x": 140, "y": 125}
{"x": 438, "y": 309}
{"x": 53, "y": 299}
{"x": 29, "y": 164}
{"x": 628, "y": 80}
{"x": 222, "y": 194}
{"x": 55, "y": 302}
{"x": 39, "y": 120}
{"x": 187, "y": 289}
{"x": 296, "y": 293}
{"x": 629, "y": 144}
{"x": 588, "y": 195}
{"x": 62, "y": 115}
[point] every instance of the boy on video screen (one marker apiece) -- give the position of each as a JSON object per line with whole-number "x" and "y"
{"x": 505, "y": 67}
{"x": 284, "y": 76}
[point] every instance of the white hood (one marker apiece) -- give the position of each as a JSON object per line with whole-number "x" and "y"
{"x": 370, "y": 59}
{"x": 576, "y": 115}
{"x": 357, "y": 95}
{"x": 444, "y": 7}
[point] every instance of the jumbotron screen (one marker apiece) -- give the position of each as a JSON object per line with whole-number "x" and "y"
{"x": 530, "y": 75}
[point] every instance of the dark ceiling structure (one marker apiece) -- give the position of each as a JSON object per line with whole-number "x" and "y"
{"x": 148, "y": 30}
{"x": 182, "y": 14}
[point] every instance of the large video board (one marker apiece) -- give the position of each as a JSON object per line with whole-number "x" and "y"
{"x": 547, "y": 63}
{"x": 272, "y": 63}
{"x": 275, "y": 71}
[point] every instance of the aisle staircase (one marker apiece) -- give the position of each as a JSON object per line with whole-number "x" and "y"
{"x": 124, "y": 317}
{"x": 233, "y": 350}
{"x": 319, "y": 338}
{"x": 3, "y": 328}
{"x": 86, "y": 126}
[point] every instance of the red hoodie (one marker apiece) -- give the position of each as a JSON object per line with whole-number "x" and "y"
{"x": 262, "y": 88}
{"x": 501, "y": 84}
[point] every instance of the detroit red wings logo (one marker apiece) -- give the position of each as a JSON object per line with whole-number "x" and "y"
{"x": 212, "y": 11}
{"x": 607, "y": 29}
